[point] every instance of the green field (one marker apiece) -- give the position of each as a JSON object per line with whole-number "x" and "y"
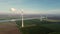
{"x": 35, "y": 26}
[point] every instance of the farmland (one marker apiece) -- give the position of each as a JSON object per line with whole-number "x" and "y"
{"x": 35, "y": 26}
{"x": 8, "y": 28}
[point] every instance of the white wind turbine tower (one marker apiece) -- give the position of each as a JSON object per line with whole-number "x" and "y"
{"x": 22, "y": 18}
{"x": 13, "y": 9}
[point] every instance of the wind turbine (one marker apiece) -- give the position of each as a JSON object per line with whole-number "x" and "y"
{"x": 22, "y": 18}
{"x": 13, "y": 9}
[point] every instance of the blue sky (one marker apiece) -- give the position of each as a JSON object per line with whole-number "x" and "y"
{"x": 31, "y": 6}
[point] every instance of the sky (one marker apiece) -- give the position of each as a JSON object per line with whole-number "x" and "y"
{"x": 30, "y": 6}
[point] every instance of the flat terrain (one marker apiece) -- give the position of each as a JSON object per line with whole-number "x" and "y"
{"x": 42, "y": 27}
{"x": 9, "y": 28}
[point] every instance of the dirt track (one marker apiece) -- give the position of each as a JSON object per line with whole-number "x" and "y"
{"x": 9, "y": 28}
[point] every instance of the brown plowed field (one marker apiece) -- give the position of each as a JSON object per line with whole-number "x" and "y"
{"x": 9, "y": 28}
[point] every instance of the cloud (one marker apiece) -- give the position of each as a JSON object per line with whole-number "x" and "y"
{"x": 30, "y": 12}
{"x": 55, "y": 11}
{"x": 26, "y": 11}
